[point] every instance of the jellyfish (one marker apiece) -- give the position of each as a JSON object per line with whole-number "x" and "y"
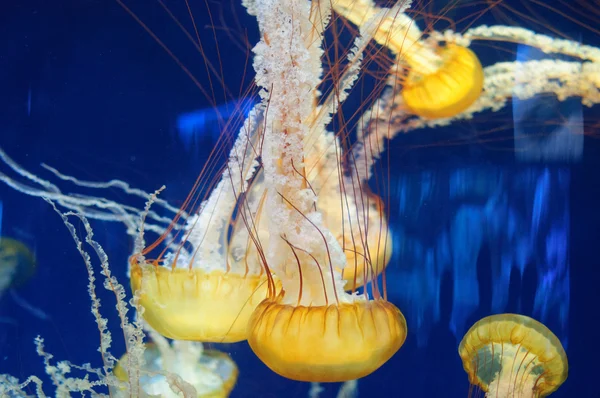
{"x": 205, "y": 284}
{"x": 359, "y": 226}
{"x": 17, "y": 263}
{"x": 212, "y": 373}
{"x": 440, "y": 81}
{"x": 17, "y": 266}
{"x": 310, "y": 329}
{"x": 513, "y": 355}
{"x": 563, "y": 68}
{"x": 367, "y": 251}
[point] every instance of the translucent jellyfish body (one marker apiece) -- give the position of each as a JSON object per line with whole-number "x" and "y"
{"x": 17, "y": 263}
{"x": 510, "y": 355}
{"x": 360, "y": 227}
{"x": 211, "y": 373}
{"x": 193, "y": 304}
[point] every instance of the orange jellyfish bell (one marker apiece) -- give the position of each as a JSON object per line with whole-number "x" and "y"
{"x": 441, "y": 81}
{"x": 371, "y": 255}
{"x": 448, "y": 90}
{"x": 326, "y": 343}
{"x": 17, "y": 262}
{"x": 312, "y": 330}
{"x": 510, "y": 355}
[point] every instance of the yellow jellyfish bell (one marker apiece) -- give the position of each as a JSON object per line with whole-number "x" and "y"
{"x": 513, "y": 355}
{"x": 326, "y": 343}
{"x": 441, "y": 82}
{"x": 192, "y": 304}
{"x": 447, "y": 90}
{"x": 311, "y": 330}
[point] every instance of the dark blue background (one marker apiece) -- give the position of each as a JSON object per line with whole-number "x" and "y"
{"x": 104, "y": 98}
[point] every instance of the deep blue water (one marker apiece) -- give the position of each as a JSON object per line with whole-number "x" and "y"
{"x": 86, "y": 90}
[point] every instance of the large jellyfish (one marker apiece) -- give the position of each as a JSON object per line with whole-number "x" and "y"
{"x": 511, "y": 355}
{"x": 312, "y": 330}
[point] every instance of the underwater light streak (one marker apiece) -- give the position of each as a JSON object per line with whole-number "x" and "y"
{"x": 521, "y": 216}
{"x": 204, "y": 123}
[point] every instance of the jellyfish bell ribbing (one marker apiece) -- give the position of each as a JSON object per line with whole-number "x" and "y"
{"x": 192, "y": 304}
{"x": 511, "y": 354}
{"x": 331, "y": 343}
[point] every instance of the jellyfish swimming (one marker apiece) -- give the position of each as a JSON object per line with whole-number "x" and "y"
{"x": 277, "y": 250}
{"x": 212, "y": 373}
{"x": 17, "y": 263}
{"x": 311, "y": 329}
{"x": 17, "y": 266}
{"x": 513, "y": 355}
{"x": 359, "y": 226}
{"x": 367, "y": 251}
{"x": 440, "y": 81}
{"x": 207, "y": 286}
{"x": 447, "y": 90}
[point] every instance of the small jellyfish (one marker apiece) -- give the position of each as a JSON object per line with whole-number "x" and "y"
{"x": 448, "y": 88}
{"x": 511, "y": 355}
{"x": 17, "y": 263}
{"x": 198, "y": 300}
{"x": 438, "y": 81}
{"x": 212, "y": 373}
{"x": 196, "y": 304}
